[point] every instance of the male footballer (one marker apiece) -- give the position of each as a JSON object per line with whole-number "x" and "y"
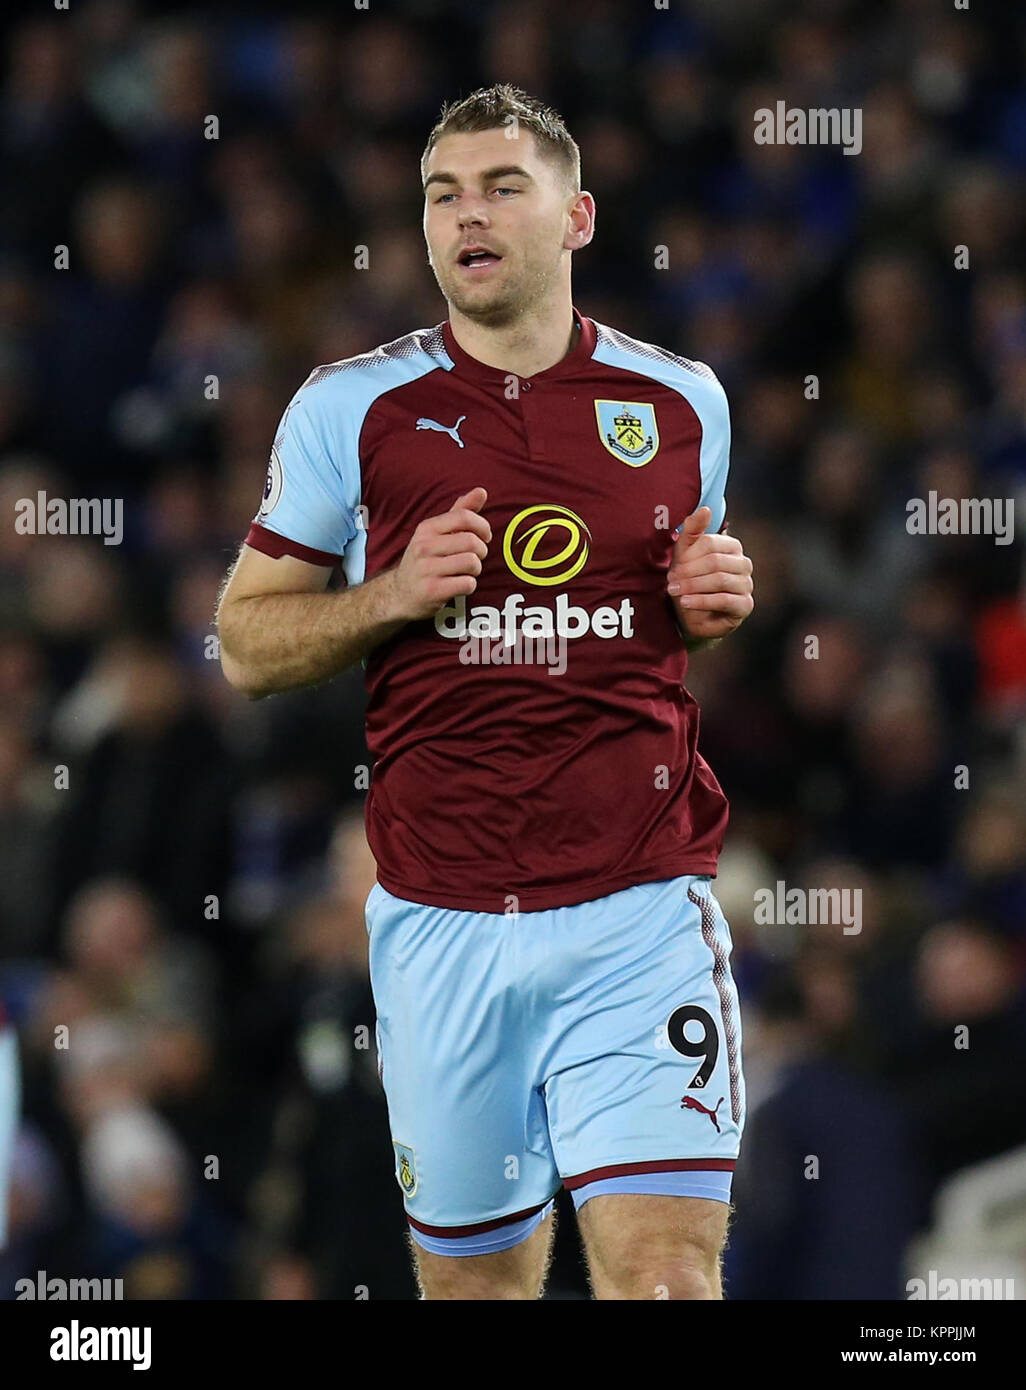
{"x": 549, "y": 964}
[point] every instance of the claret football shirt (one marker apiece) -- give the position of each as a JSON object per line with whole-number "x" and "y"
{"x": 534, "y": 744}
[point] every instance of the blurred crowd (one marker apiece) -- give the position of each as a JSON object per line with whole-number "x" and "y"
{"x": 182, "y": 946}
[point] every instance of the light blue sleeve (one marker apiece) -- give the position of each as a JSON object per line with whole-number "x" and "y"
{"x": 714, "y": 457}
{"x": 313, "y": 476}
{"x": 699, "y": 386}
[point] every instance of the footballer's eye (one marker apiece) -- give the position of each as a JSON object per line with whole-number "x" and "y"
{"x": 442, "y": 197}
{"x": 507, "y": 190}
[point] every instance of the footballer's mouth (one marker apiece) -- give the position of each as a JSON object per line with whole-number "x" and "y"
{"x": 478, "y": 259}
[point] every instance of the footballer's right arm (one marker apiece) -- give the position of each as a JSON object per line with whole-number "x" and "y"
{"x": 279, "y": 630}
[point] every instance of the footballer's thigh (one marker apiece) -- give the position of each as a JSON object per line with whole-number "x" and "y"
{"x": 641, "y": 1246}
{"x": 644, "y": 1090}
{"x": 517, "y": 1272}
{"x": 471, "y": 1146}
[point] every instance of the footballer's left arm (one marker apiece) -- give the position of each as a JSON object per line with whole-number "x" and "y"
{"x": 709, "y": 580}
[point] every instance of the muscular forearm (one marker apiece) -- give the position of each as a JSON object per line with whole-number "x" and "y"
{"x": 276, "y": 642}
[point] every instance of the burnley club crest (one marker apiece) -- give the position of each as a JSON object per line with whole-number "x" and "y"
{"x": 628, "y": 430}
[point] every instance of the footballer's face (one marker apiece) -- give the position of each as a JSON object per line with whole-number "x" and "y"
{"x": 499, "y": 223}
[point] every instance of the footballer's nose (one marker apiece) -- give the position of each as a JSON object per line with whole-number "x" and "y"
{"x": 473, "y": 214}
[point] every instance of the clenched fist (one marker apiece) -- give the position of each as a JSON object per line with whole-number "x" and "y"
{"x": 443, "y": 559}
{"x": 709, "y": 580}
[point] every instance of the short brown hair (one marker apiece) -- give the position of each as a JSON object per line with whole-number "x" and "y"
{"x": 491, "y": 108}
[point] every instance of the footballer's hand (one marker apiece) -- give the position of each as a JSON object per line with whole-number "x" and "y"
{"x": 443, "y": 559}
{"x": 709, "y": 580}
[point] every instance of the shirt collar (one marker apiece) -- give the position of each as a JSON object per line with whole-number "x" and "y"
{"x": 469, "y": 366}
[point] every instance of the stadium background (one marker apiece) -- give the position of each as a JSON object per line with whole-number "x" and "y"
{"x": 236, "y": 1034}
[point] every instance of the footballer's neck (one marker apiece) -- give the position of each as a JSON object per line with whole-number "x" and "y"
{"x": 532, "y": 343}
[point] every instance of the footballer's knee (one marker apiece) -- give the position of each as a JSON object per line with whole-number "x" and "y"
{"x": 464, "y": 1285}
{"x": 692, "y": 1274}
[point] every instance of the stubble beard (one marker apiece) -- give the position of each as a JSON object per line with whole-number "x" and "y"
{"x": 508, "y": 304}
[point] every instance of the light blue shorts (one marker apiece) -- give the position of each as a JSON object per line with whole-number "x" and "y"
{"x": 597, "y": 1047}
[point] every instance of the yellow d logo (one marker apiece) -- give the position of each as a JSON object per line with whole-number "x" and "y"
{"x": 524, "y": 536}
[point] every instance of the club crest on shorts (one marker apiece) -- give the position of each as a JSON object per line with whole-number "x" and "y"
{"x": 405, "y": 1168}
{"x": 628, "y": 430}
